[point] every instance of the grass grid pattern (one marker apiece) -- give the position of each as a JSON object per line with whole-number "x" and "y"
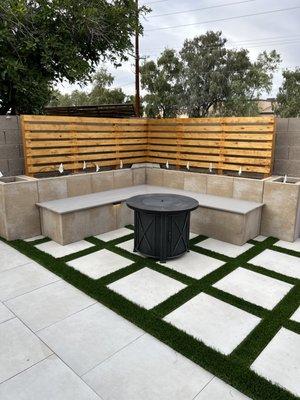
{"x": 234, "y": 368}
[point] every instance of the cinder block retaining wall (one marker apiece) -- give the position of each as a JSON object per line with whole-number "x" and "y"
{"x": 287, "y": 150}
{"x": 11, "y": 148}
{"x": 19, "y": 216}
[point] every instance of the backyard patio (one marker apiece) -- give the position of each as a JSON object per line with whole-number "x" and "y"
{"x": 85, "y": 315}
{"x": 231, "y": 309}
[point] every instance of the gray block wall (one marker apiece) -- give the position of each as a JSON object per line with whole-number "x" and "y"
{"x": 11, "y": 148}
{"x": 287, "y": 150}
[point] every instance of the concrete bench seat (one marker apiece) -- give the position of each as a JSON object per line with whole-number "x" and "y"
{"x": 74, "y": 218}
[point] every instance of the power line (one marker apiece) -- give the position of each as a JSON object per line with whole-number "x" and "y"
{"x": 239, "y": 42}
{"x": 154, "y": 2}
{"x": 223, "y": 19}
{"x": 201, "y": 9}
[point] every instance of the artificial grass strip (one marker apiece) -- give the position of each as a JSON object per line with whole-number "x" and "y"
{"x": 285, "y": 251}
{"x": 40, "y": 241}
{"x": 261, "y": 335}
{"x": 238, "y": 302}
{"x": 233, "y": 369}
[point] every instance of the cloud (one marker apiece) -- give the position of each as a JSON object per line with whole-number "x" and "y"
{"x": 257, "y": 33}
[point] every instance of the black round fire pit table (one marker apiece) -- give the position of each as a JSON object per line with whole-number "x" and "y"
{"x": 161, "y": 224}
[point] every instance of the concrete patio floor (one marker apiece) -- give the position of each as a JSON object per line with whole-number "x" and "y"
{"x": 58, "y": 343}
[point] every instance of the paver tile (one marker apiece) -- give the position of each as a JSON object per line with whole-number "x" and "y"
{"x": 147, "y": 369}
{"x": 26, "y": 278}
{"x": 5, "y": 313}
{"x": 228, "y": 249}
{"x": 295, "y": 246}
{"x": 34, "y": 238}
{"x": 19, "y": 348}
{"x": 254, "y": 287}
{"x": 296, "y": 315}
{"x": 106, "y": 237}
{"x": 57, "y": 250}
{"x": 279, "y": 361}
{"x": 100, "y": 263}
{"x": 11, "y": 258}
{"x": 260, "y": 238}
{"x": 278, "y": 262}
{"x": 128, "y": 246}
{"x": 219, "y": 390}
{"x": 146, "y": 287}
{"x": 211, "y": 321}
{"x": 85, "y": 339}
{"x": 194, "y": 264}
{"x": 49, "y": 304}
{"x": 50, "y": 379}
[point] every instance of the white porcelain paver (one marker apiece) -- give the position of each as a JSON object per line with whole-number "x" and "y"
{"x": 112, "y": 235}
{"x": 256, "y": 288}
{"x": 295, "y": 246}
{"x": 100, "y": 263}
{"x": 49, "y": 304}
{"x": 219, "y": 390}
{"x": 260, "y": 238}
{"x": 11, "y": 258}
{"x": 57, "y": 250}
{"x": 128, "y": 246}
{"x": 5, "y": 314}
{"x": 26, "y": 278}
{"x": 228, "y": 249}
{"x": 146, "y": 287}
{"x": 35, "y": 238}
{"x": 88, "y": 337}
{"x": 50, "y": 379}
{"x": 194, "y": 264}
{"x": 216, "y": 323}
{"x": 148, "y": 370}
{"x": 193, "y": 235}
{"x": 296, "y": 315}
{"x": 278, "y": 262}
{"x": 279, "y": 361}
{"x": 19, "y": 348}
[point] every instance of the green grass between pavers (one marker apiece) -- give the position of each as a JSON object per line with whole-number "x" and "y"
{"x": 233, "y": 369}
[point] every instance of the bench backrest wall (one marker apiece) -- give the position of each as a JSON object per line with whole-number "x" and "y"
{"x": 224, "y": 144}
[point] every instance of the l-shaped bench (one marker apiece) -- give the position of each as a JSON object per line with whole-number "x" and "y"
{"x": 71, "y": 219}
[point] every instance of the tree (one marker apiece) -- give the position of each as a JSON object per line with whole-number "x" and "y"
{"x": 43, "y": 42}
{"x": 247, "y": 81}
{"x": 101, "y": 93}
{"x": 161, "y": 79}
{"x": 288, "y": 97}
{"x": 207, "y": 78}
{"x": 204, "y": 73}
{"x": 222, "y": 81}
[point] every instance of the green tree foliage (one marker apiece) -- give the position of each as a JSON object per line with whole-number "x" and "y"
{"x": 43, "y": 42}
{"x": 101, "y": 93}
{"x": 207, "y": 79}
{"x": 288, "y": 98}
{"x": 161, "y": 79}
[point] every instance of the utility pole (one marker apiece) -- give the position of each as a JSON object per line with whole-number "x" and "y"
{"x": 137, "y": 64}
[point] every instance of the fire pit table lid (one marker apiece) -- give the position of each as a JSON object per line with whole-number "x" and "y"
{"x": 162, "y": 203}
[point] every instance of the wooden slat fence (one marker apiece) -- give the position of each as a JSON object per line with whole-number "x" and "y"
{"x": 52, "y": 140}
{"x": 221, "y": 143}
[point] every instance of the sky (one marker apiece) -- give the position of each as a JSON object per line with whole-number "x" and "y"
{"x": 257, "y": 25}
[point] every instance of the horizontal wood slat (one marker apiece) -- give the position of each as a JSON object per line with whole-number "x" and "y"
{"x": 226, "y": 143}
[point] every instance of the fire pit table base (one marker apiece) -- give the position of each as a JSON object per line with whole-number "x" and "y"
{"x": 161, "y": 224}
